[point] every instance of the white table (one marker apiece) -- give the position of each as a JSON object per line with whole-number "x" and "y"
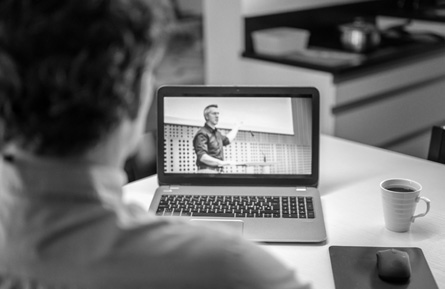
{"x": 350, "y": 175}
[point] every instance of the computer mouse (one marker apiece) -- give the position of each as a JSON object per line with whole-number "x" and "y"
{"x": 393, "y": 265}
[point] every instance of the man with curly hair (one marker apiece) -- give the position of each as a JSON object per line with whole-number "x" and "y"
{"x": 75, "y": 87}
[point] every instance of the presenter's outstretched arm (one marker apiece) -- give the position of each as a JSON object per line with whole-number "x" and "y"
{"x": 232, "y": 134}
{"x": 214, "y": 162}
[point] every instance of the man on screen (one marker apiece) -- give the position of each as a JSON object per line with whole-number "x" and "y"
{"x": 209, "y": 142}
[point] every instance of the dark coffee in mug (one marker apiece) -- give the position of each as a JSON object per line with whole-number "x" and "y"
{"x": 399, "y": 200}
{"x": 401, "y": 189}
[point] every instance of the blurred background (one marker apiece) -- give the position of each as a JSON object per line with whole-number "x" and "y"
{"x": 379, "y": 65}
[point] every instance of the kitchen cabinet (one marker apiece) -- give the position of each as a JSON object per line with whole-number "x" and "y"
{"x": 390, "y": 103}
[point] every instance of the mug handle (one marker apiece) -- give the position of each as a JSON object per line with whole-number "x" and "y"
{"x": 427, "y": 202}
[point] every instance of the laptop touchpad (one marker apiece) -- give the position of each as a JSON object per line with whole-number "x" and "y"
{"x": 230, "y": 226}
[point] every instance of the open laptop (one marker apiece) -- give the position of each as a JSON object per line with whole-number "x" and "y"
{"x": 266, "y": 188}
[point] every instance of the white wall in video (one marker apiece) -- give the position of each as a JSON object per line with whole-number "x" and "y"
{"x": 270, "y": 115}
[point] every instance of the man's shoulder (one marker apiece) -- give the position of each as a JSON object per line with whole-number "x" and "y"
{"x": 160, "y": 239}
{"x": 203, "y": 131}
{"x": 210, "y": 255}
{"x": 184, "y": 233}
{"x": 218, "y": 256}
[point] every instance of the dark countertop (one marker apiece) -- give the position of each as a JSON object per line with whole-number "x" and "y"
{"x": 353, "y": 65}
{"x": 434, "y": 14}
{"x": 325, "y": 52}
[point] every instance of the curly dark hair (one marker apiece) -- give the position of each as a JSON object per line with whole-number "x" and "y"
{"x": 70, "y": 70}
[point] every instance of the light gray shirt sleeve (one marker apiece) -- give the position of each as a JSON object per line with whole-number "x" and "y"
{"x": 253, "y": 267}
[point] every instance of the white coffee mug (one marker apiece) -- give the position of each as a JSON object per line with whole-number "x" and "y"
{"x": 400, "y": 198}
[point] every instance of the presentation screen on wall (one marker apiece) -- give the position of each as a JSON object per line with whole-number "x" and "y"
{"x": 237, "y": 135}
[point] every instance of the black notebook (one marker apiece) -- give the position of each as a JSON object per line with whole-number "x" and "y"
{"x": 356, "y": 267}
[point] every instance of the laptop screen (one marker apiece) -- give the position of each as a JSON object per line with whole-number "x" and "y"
{"x": 238, "y": 135}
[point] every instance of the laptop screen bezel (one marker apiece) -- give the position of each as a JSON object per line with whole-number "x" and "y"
{"x": 237, "y": 179}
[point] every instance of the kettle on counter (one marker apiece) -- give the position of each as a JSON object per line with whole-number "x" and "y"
{"x": 360, "y": 35}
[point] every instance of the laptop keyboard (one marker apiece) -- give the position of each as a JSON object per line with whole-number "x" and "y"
{"x": 236, "y": 206}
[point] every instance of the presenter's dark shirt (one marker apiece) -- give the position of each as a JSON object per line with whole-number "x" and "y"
{"x": 211, "y": 142}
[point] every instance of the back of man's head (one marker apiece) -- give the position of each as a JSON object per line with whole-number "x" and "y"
{"x": 70, "y": 70}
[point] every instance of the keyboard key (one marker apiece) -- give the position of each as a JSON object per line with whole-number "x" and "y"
{"x": 236, "y": 206}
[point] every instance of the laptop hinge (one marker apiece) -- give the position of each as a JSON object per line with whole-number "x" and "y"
{"x": 301, "y": 189}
